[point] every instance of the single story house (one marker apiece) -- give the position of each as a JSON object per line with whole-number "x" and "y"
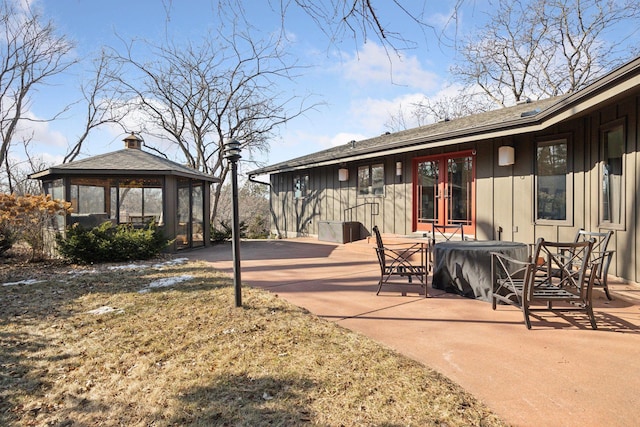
{"x": 538, "y": 169}
{"x": 131, "y": 186}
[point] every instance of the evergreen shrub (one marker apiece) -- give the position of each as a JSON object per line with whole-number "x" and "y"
{"x": 111, "y": 243}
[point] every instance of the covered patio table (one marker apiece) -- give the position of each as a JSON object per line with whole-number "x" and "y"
{"x": 464, "y": 267}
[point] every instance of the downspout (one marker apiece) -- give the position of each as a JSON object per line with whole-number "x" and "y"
{"x": 252, "y": 179}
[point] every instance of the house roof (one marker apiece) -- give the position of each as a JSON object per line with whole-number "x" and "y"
{"x": 519, "y": 119}
{"x": 128, "y": 161}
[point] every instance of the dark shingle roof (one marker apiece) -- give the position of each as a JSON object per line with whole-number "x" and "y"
{"x": 518, "y": 119}
{"x": 127, "y": 161}
{"x": 430, "y": 133}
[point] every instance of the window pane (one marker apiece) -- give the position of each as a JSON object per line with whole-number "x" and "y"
{"x": 364, "y": 180}
{"x": 551, "y": 180}
{"x": 612, "y": 175}
{"x": 153, "y": 203}
{"x": 377, "y": 179}
{"x": 300, "y": 186}
{"x": 130, "y": 203}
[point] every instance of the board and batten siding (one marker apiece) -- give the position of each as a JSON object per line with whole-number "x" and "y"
{"x": 505, "y": 195}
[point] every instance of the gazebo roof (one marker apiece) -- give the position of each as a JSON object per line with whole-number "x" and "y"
{"x": 128, "y": 161}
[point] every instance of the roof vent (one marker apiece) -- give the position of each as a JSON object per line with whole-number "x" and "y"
{"x": 133, "y": 141}
{"x": 524, "y": 101}
{"x": 353, "y": 143}
{"x": 529, "y": 113}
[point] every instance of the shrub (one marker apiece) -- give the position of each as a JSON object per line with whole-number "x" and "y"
{"x": 258, "y": 227}
{"x": 224, "y": 233}
{"x": 7, "y": 238}
{"x": 26, "y": 217}
{"x": 109, "y": 243}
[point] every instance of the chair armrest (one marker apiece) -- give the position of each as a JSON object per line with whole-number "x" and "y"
{"x": 504, "y": 261}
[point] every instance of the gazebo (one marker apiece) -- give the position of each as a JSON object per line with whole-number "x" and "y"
{"x": 131, "y": 186}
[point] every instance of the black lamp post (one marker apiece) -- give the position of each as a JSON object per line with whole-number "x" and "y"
{"x": 232, "y": 154}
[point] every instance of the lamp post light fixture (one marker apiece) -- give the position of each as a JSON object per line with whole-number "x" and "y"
{"x": 232, "y": 154}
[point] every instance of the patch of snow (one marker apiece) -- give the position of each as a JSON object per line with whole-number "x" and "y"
{"x": 162, "y": 283}
{"x": 176, "y": 261}
{"x": 23, "y": 282}
{"x": 126, "y": 267}
{"x": 106, "y": 309}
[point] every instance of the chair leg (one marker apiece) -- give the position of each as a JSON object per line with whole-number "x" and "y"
{"x": 606, "y": 289}
{"x": 525, "y": 312}
{"x": 592, "y": 318}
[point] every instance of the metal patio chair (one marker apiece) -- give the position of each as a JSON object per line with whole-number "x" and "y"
{"x": 556, "y": 273}
{"x": 443, "y": 233}
{"x": 402, "y": 260}
{"x": 600, "y": 257}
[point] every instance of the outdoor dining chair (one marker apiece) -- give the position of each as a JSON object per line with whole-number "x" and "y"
{"x": 402, "y": 260}
{"x": 600, "y": 257}
{"x": 443, "y": 233}
{"x": 549, "y": 277}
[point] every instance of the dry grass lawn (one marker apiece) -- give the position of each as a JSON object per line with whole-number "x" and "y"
{"x": 162, "y": 344}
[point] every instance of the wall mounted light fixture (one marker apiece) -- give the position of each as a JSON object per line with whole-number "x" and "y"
{"x": 398, "y": 168}
{"x": 506, "y": 155}
{"x": 343, "y": 174}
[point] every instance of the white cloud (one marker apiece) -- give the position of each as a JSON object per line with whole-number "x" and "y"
{"x": 35, "y": 129}
{"x": 373, "y": 65}
{"x": 374, "y": 114}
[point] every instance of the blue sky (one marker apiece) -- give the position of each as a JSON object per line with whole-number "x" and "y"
{"x": 358, "y": 82}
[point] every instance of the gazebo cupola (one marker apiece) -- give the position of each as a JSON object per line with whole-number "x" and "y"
{"x": 133, "y": 141}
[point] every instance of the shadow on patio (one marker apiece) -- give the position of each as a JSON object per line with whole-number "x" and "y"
{"x": 559, "y": 373}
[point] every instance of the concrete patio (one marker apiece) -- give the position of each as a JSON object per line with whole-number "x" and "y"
{"x": 560, "y": 373}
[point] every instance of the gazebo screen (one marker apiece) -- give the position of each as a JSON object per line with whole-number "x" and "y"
{"x": 190, "y": 214}
{"x": 121, "y": 201}
{"x": 137, "y": 201}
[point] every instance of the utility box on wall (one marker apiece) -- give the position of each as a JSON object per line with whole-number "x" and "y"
{"x": 338, "y": 231}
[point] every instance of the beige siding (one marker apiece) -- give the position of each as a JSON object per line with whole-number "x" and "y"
{"x": 504, "y": 194}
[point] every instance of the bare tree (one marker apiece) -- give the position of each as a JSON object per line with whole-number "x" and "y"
{"x": 540, "y": 48}
{"x": 575, "y": 51}
{"x": 443, "y": 108}
{"x": 101, "y": 102}
{"x": 356, "y": 20}
{"x": 31, "y": 54}
{"x": 198, "y": 95}
{"x": 15, "y": 176}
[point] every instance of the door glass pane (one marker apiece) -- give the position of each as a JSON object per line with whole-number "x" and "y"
{"x": 459, "y": 186}
{"x": 427, "y": 191}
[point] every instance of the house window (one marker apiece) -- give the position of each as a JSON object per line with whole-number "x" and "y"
{"x": 300, "y": 186}
{"x": 371, "y": 180}
{"x": 612, "y": 175}
{"x": 553, "y": 181}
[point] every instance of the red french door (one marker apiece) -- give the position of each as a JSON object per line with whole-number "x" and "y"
{"x": 444, "y": 191}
